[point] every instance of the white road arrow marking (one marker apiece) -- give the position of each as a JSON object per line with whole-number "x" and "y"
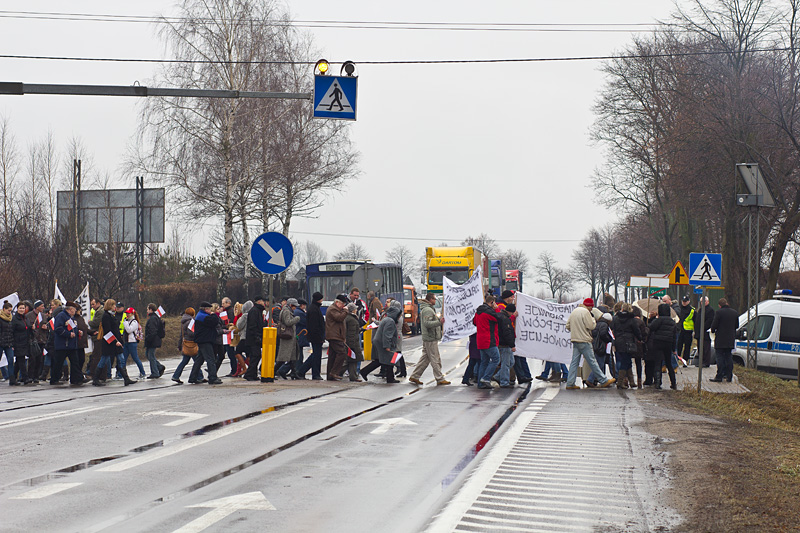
{"x": 275, "y": 258}
{"x": 185, "y": 417}
{"x": 43, "y": 492}
{"x": 251, "y": 501}
{"x": 387, "y": 423}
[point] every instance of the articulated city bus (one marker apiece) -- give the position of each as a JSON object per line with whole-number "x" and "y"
{"x": 339, "y": 277}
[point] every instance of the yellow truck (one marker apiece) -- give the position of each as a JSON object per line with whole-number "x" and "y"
{"x": 456, "y": 262}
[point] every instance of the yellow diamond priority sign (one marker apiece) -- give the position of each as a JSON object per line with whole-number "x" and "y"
{"x": 678, "y": 275}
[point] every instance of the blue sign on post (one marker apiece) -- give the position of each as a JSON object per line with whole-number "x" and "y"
{"x": 335, "y": 97}
{"x": 272, "y": 253}
{"x": 705, "y": 269}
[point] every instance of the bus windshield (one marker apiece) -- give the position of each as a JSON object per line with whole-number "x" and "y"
{"x": 329, "y": 286}
{"x": 456, "y": 276}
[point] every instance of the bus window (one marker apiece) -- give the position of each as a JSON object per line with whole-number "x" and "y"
{"x": 790, "y": 329}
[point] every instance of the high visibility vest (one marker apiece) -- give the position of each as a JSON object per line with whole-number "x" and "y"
{"x": 688, "y": 323}
{"x": 122, "y": 325}
{"x": 91, "y": 314}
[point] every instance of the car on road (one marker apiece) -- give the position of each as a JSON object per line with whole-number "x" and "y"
{"x": 777, "y": 336}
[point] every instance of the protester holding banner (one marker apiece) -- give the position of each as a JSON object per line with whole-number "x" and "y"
{"x": 488, "y": 340}
{"x": 580, "y": 324}
{"x": 506, "y": 347}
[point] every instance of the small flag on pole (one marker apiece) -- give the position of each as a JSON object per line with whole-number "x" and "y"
{"x": 39, "y": 319}
{"x": 396, "y": 357}
{"x": 191, "y": 325}
{"x": 372, "y": 326}
{"x": 227, "y": 338}
{"x": 44, "y": 351}
{"x": 224, "y": 317}
{"x": 109, "y": 337}
{"x": 350, "y": 353}
{"x": 160, "y": 311}
{"x": 71, "y": 325}
{"x": 52, "y": 323}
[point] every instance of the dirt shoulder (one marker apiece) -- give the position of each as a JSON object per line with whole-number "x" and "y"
{"x": 734, "y": 460}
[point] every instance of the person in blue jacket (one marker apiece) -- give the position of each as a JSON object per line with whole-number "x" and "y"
{"x": 65, "y": 343}
{"x": 205, "y": 333}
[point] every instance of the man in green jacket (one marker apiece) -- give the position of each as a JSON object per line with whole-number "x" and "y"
{"x": 431, "y": 335}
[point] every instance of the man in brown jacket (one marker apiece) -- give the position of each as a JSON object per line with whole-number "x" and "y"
{"x": 335, "y": 331}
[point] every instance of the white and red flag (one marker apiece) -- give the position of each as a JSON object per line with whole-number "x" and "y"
{"x": 160, "y": 311}
{"x": 39, "y": 319}
{"x": 224, "y": 317}
{"x": 396, "y": 357}
{"x": 191, "y": 325}
{"x": 109, "y": 337}
{"x": 350, "y": 353}
{"x": 227, "y": 338}
{"x": 53, "y": 323}
{"x": 71, "y": 324}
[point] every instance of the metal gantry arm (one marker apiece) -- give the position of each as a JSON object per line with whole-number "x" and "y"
{"x": 19, "y": 88}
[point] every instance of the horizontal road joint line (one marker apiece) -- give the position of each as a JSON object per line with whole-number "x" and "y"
{"x": 186, "y": 445}
{"x": 42, "y": 418}
{"x": 44, "y": 491}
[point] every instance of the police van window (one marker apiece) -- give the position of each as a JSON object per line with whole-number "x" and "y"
{"x": 790, "y": 329}
{"x": 765, "y": 323}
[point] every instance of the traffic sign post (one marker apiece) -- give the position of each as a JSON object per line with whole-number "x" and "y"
{"x": 704, "y": 270}
{"x": 272, "y": 253}
{"x": 335, "y": 97}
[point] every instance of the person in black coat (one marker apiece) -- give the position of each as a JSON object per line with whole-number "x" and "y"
{"x": 662, "y": 338}
{"x": 316, "y": 336}
{"x": 206, "y": 330}
{"x": 626, "y": 333}
{"x": 22, "y": 335}
{"x": 709, "y": 319}
{"x": 601, "y": 336}
{"x": 154, "y": 331}
{"x": 111, "y": 340}
{"x": 254, "y": 334}
{"x": 725, "y": 324}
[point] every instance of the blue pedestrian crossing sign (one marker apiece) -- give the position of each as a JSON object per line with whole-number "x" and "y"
{"x": 335, "y": 97}
{"x": 272, "y": 252}
{"x": 705, "y": 269}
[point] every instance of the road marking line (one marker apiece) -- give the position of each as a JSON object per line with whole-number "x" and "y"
{"x": 44, "y": 491}
{"x": 41, "y": 418}
{"x": 459, "y": 506}
{"x": 198, "y": 441}
{"x": 185, "y": 417}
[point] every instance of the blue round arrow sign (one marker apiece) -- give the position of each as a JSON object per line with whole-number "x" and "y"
{"x": 272, "y": 252}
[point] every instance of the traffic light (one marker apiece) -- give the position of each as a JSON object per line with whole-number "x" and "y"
{"x": 322, "y": 67}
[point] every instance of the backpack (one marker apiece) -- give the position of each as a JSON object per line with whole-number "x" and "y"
{"x": 139, "y": 334}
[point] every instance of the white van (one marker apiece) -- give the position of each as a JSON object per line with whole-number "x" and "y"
{"x": 777, "y": 335}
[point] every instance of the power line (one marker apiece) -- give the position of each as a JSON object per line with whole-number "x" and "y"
{"x": 400, "y": 62}
{"x": 427, "y": 239}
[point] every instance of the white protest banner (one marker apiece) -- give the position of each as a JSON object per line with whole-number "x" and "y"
{"x": 13, "y": 299}
{"x": 460, "y": 303}
{"x": 58, "y": 295}
{"x": 84, "y": 301}
{"x": 541, "y": 331}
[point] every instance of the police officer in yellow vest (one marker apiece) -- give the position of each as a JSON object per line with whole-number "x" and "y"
{"x": 685, "y": 328}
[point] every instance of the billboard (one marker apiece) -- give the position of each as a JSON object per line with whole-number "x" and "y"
{"x": 110, "y": 215}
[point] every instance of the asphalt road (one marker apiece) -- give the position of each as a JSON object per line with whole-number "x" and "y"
{"x": 242, "y": 456}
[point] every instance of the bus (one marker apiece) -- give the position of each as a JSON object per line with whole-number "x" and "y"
{"x": 514, "y": 280}
{"x": 339, "y": 277}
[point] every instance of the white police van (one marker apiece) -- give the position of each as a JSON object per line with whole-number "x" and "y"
{"x": 777, "y": 334}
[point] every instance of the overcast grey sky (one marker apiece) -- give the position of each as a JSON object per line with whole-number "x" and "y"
{"x": 447, "y": 150}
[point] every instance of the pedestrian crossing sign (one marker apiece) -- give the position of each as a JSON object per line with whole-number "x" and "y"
{"x": 677, "y": 275}
{"x": 335, "y": 97}
{"x": 705, "y": 269}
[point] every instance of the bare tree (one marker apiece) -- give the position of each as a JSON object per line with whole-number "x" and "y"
{"x": 9, "y": 166}
{"x": 485, "y": 244}
{"x": 308, "y": 253}
{"x": 557, "y": 280}
{"x": 403, "y": 256}
{"x": 48, "y": 163}
{"x": 353, "y": 252}
{"x": 515, "y": 260}
{"x": 588, "y": 261}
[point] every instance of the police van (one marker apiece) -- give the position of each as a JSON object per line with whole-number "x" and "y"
{"x": 776, "y": 333}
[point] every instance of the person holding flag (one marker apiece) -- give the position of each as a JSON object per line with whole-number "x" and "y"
{"x": 355, "y": 354}
{"x": 154, "y": 331}
{"x": 65, "y": 342}
{"x": 111, "y": 339}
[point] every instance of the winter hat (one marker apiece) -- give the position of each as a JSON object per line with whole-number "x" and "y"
{"x": 342, "y": 298}
{"x": 292, "y": 301}
{"x": 302, "y": 302}
{"x": 204, "y": 305}
{"x": 607, "y": 317}
{"x": 685, "y": 298}
{"x": 72, "y": 304}
{"x": 317, "y": 296}
{"x": 507, "y": 294}
{"x": 588, "y": 302}
{"x": 37, "y": 303}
